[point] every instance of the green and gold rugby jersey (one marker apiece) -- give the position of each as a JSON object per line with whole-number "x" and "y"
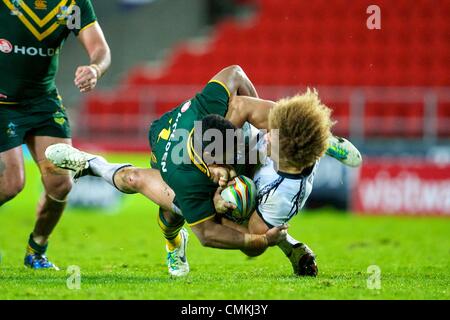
{"x": 32, "y": 33}
{"x": 190, "y": 181}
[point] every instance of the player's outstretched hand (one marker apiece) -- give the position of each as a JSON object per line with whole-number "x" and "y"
{"x": 2, "y": 96}
{"x": 86, "y": 78}
{"x": 276, "y": 234}
{"x": 220, "y": 204}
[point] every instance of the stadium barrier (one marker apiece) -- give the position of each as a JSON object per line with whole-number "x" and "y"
{"x": 402, "y": 187}
{"x": 112, "y": 119}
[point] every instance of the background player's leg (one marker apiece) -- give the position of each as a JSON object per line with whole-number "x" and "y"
{"x": 57, "y": 185}
{"x": 12, "y": 174}
{"x": 176, "y": 236}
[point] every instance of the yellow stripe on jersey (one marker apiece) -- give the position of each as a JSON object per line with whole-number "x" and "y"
{"x": 30, "y": 27}
{"x": 200, "y": 221}
{"x": 48, "y": 18}
{"x": 49, "y": 31}
{"x": 87, "y": 26}
{"x": 4, "y": 102}
{"x": 195, "y": 158}
{"x": 223, "y": 85}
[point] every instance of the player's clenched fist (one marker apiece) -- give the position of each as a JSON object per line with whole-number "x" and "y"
{"x": 86, "y": 77}
{"x": 276, "y": 235}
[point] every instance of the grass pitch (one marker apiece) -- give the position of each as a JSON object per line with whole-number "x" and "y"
{"x": 122, "y": 256}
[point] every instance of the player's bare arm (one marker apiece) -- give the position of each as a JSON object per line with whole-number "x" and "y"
{"x": 236, "y": 81}
{"x": 216, "y": 235}
{"x": 93, "y": 40}
{"x": 254, "y": 227}
{"x": 243, "y": 109}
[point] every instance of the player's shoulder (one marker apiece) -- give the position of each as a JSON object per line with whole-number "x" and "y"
{"x": 217, "y": 87}
{"x": 213, "y": 99}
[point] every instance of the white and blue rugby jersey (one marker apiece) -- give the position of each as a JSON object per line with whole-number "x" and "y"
{"x": 280, "y": 196}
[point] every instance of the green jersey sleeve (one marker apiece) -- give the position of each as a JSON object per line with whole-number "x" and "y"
{"x": 87, "y": 15}
{"x": 214, "y": 99}
{"x": 194, "y": 196}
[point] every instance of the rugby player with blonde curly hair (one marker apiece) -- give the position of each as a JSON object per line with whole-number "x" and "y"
{"x": 301, "y": 130}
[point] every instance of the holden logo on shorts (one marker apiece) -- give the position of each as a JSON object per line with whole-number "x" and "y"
{"x": 5, "y": 46}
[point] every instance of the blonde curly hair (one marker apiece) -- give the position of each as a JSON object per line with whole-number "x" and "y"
{"x": 304, "y": 125}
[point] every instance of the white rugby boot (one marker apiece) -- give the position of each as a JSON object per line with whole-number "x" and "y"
{"x": 67, "y": 157}
{"x": 176, "y": 260}
{"x": 303, "y": 261}
{"x": 344, "y": 151}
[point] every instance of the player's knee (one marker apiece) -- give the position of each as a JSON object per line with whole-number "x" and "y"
{"x": 59, "y": 187}
{"x": 11, "y": 189}
{"x": 134, "y": 179}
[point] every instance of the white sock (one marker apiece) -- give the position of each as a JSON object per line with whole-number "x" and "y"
{"x": 287, "y": 245}
{"x": 101, "y": 168}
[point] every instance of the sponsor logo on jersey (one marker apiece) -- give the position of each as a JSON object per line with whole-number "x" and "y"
{"x": 40, "y": 5}
{"x": 5, "y": 46}
{"x": 69, "y": 16}
{"x": 169, "y": 143}
{"x": 15, "y": 11}
{"x": 16, "y": 3}
{"x": 64, "y": 14}
{"x": 59, "y": 118}
{"x": 11, "y": 130}
{"x": 32, "y": 51}
{"x": 185, "y": 106}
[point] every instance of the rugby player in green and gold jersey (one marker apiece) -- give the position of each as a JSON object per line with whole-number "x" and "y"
{"x": 32, "y": 34}
{"x": 191, "y": 179}
{"x": 189, "y": 184}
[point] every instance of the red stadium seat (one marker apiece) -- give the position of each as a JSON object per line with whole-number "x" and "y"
{"x": 287, "y": 44}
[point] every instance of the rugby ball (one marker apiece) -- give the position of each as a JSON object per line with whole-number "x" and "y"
{"x": 243, "y": 194}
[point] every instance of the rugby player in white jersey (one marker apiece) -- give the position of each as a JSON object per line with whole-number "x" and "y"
{"x": 296, "y": 166}
{"x": 299, "y": 134}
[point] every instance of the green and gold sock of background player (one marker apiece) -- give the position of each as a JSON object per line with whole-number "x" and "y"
{"x": 171, "y": 230}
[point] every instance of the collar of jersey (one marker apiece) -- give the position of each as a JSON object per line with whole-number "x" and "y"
{"x": 296, "y": 176}
{"x": 41, "y": 23}
{"x": 195, "y": 158}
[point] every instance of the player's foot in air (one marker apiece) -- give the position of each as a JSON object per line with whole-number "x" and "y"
{"x": 38, "y": 261}
{"x": 176, "y": 259}
{"x": 344, "y": 151}
{"x": 67, "y": 157}
{"x": 303, "y": 261}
